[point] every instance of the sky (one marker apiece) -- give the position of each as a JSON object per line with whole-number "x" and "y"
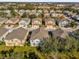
{"x": 39, "y": 0}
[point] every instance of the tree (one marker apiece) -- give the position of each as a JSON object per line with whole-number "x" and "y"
{"x": 32, "y": 16}
{"x": 45, "y": 46}
{"x": 73, "y": 24}
{"x": 24, "y": 15}
{"x": 11, "y": 52}
{"x": 49, "y": 45}
{"x": 32, "y": 55}
{"x": 4, "y": 53}
{"x": 71, "y": 43}
{"x": 13, "y": 13}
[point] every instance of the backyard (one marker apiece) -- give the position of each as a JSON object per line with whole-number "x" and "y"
{"x": 19, "y": 52}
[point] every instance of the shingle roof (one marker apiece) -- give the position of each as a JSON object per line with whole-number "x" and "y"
{"x": 3, "y": 19}
{"x": 26, "y": 19}
{"x": 19, "y": 33}
{"x": 13, "y": 20}
{"x": 57, "y": 33}
{"x": 3, "y": 31}
{"x": 39, "y": 33}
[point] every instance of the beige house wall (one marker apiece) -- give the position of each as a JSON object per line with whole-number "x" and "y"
{"x": 16, "y": 42}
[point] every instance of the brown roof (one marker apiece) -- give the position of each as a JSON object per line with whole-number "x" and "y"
{"x": 39, "y": 33}
{"x": 35, "y": 19}
{"x": 19, "y": 33}
{"x": 57, "y": 32}
{"x": 3, "y": 31}
{"x": 13, "y": 19}
{"x": 49, "y": 19}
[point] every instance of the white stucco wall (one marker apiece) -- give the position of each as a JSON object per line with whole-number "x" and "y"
{"x": 35, "y": 42}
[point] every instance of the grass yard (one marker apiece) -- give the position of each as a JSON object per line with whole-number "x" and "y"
{"x": 21, "y": 50}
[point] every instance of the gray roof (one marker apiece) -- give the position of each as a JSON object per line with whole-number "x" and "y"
{"x": 3, "y": 31}
{"x": 19, "y": 33}
{"x": 26, "y": 19}
{"x": 39, "y": 33}
{"x": 3, "y": 19}
{"x": 57, "y": 33}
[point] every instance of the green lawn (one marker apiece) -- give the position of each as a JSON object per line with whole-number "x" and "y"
{"x": 29, "y": 49}
{"x": 63, "y": 55}
{"x": 21, "y": 49}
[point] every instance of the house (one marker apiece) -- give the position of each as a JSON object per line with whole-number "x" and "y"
{"x": 38, "y": 35}
{"x": 21, "y": 12}
{"x": 53, "y": 14}
{"x": 39, "y": 11}
{"x": 16, "y": 10}
{"x": 24, "y": 22}
{"x": 51, "y": 11}
{"x": 60, "y": 5}
{"x": 8, "y": 13}
{"x": 11, "y": 22}
{"x": 46, "y": 11}
{"x": 3, "y": 33}
{"x": 17, "y": 37}
{"x": 46, "y": 14}
{"x": 32, "y": 12}
{"x": 63, "y": 23}
{"x": 58, "y": 11}
{"x": 28, "y": 11}
{"x": 2, "y": 20}
{"x": 50, "y": 23}
{"x": 38, "y": 14}
{"x": 36, "y": 22}
{"x": 61, "y": 16}
{"x": 59, "y": 33}
{"x": 42, "y": 7}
